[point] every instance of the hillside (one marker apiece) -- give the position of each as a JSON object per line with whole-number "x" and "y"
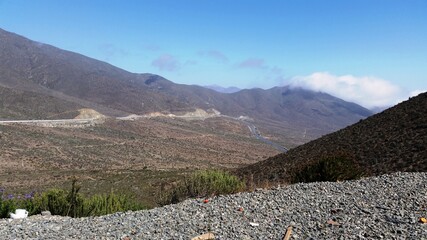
{"x": 18, "y": 104}
{"x": 390, "y": 141}
{"x": 71, "y": 81}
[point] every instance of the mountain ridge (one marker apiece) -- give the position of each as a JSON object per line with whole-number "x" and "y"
{"x": 82, "y": 82}
{"x": 223, "y": 89}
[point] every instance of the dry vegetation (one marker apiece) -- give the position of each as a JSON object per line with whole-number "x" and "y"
{"x": 142, "y": 156}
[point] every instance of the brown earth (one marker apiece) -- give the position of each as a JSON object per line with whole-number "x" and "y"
{"x": 139, "y": 156}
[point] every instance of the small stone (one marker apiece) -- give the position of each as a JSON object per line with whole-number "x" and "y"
{"x": 332, "y": 222}
{"x": 46, "y": 213}
{"x": 336, "y": 210}
{"x": 254, "y": 224}
{"x": 206, "y": 236}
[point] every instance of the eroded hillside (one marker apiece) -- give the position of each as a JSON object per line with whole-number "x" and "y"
{"x": 390, "y": 141}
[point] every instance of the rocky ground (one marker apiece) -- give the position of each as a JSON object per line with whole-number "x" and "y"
{"x": 385, "y": 207}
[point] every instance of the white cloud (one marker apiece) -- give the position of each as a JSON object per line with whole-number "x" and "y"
{"x": 369, "y": 92}
{"x": 166, "y": 62}
{"x": 254, "y": 63}
{"x": 215, "y": 54}
{"x": 416, "y": 92}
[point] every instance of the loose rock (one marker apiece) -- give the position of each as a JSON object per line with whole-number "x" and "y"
{"x": 386, "y": 207}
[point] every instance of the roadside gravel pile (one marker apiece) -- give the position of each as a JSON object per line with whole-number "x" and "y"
{"x": 387, "y": 207}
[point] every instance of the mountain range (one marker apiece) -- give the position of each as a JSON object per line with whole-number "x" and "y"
{"x": 40, "y": 81}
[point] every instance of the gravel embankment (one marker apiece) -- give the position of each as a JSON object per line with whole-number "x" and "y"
{"x": 386, "y": 207}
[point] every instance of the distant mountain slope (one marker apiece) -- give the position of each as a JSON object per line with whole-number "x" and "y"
{"x": 298, "y": 106}
{"x": 32, "y": 66}
{"x": 17, "y": 104}
{"x": 223, "y": 89}
{"x": 71, "y": 80}
{"x": 394, "y": 140}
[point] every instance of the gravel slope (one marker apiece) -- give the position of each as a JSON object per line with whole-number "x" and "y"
{"x": 385, "y": 207}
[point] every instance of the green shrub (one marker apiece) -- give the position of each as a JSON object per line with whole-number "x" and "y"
{"x": 329, "y": 169}
{"x": 71, "y": 203}
{"x": 6, "y": 206}
{"x": 53, "y": 200}
{"x": 104, "y": 204}
{"x": 60, "y": 202}
{"x": 9, "y": 203}
{"x": 202, "y": 184}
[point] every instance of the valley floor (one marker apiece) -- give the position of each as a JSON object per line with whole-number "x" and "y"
{"x": 141, "y": 157}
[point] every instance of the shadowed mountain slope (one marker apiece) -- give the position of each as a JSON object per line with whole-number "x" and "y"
{"x": 71, "y": 81}
{"x": 31, "y": 66}
{"x": 18, "y": 104}
{"x": 390, "y": 141}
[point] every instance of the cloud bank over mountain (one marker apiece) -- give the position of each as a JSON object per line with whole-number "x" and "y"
{"x": 367, "y": 91}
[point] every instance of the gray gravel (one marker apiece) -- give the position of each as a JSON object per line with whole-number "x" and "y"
{"x": 385, "y": 207}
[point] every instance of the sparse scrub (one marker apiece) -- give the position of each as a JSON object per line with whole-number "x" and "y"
{"x": 54, "y": 200}
{"x": 111, "y": 203}
{"x": 60, "y": 202}
{"x": 6, "y": 206}
{"x": 71, "y": 203}
{"x": 329, "y": 169}
{"x": 202, "y": 184}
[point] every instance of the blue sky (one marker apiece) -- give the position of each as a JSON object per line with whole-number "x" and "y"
{"x": 373, "y": 52}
